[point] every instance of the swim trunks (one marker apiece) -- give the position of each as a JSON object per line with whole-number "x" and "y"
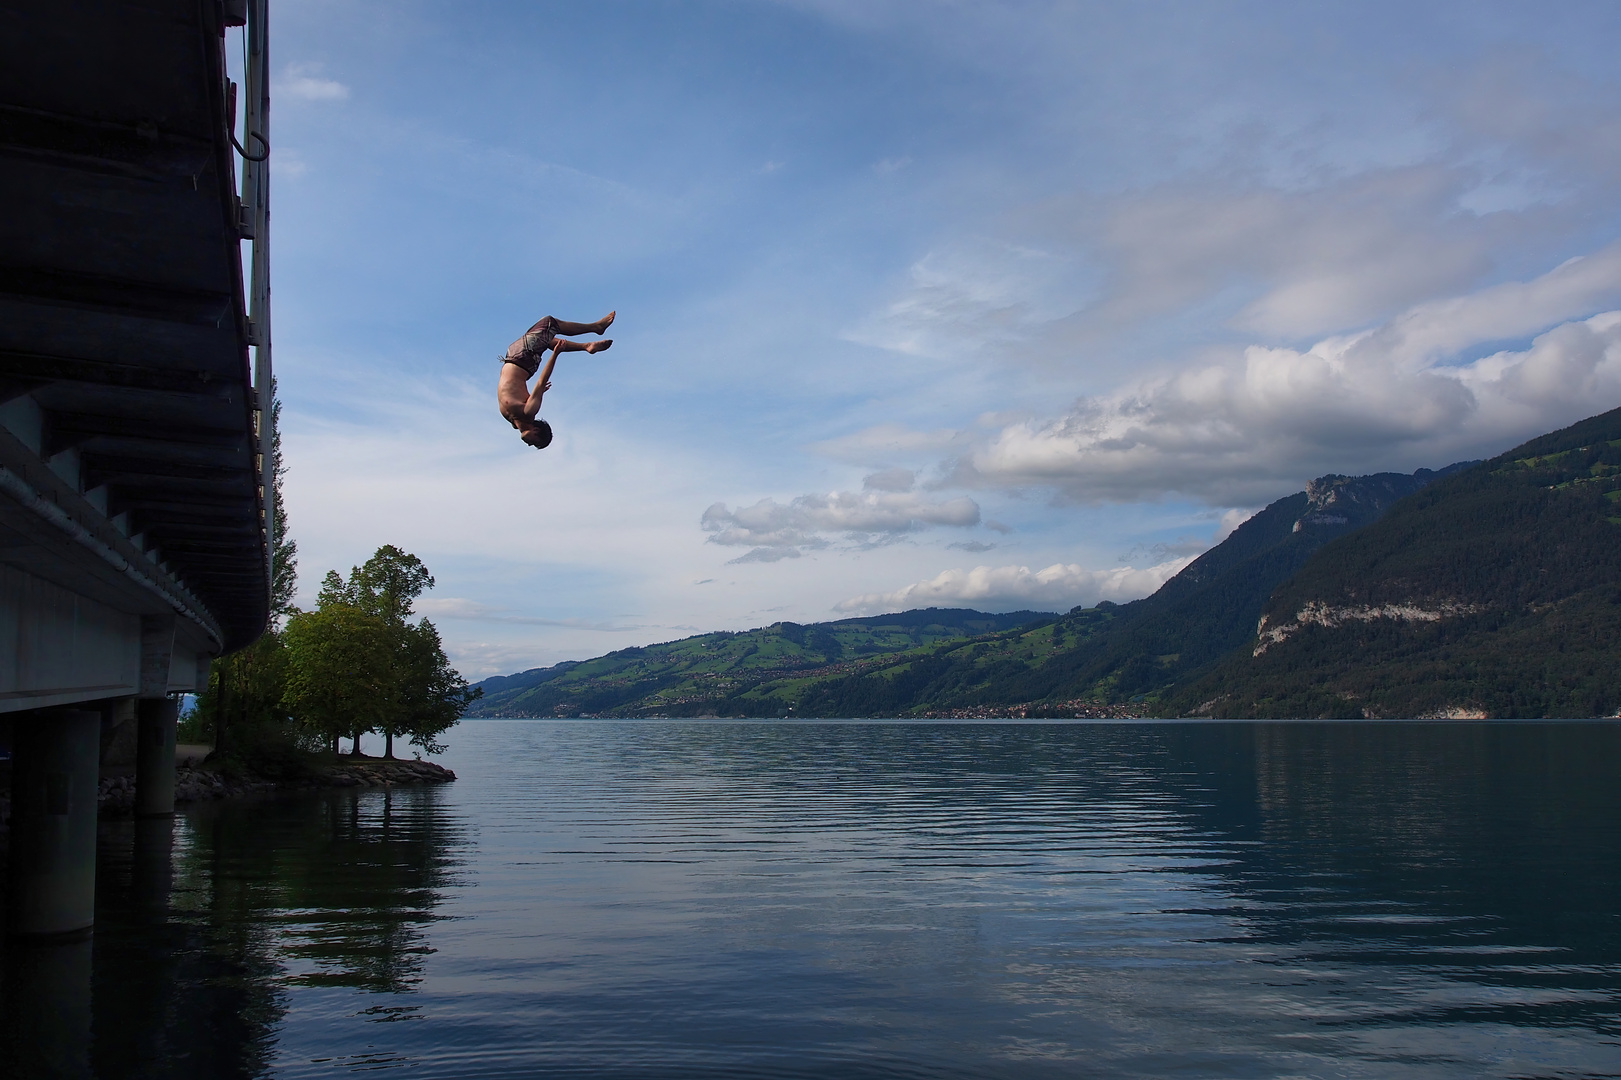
{"x": 527, "y": 350}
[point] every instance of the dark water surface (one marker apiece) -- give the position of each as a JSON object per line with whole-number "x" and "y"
{"x": 792, "y": 899}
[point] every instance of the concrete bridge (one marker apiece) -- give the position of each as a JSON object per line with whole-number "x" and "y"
{"x": 135, "y": 533}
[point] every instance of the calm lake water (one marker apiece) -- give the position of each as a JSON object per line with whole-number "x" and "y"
{"x": 794, "y": 899}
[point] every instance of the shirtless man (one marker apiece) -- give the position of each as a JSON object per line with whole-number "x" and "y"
{"x": 518, "y": 405}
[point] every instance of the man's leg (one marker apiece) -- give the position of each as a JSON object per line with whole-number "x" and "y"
{"x": 563, "y": 345}
{"x": 597, "y": 327}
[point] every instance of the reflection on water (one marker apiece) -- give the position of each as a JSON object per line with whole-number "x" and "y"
{"x": 208, "y": 926}
{"x": 929, "y": 900}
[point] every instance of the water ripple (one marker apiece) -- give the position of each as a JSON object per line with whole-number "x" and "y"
{"x": 788, "y": 899}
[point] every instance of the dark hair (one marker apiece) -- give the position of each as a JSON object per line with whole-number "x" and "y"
{"x": 540, "y": 436}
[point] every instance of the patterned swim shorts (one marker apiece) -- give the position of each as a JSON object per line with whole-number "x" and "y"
{"x": 527, "y": 350}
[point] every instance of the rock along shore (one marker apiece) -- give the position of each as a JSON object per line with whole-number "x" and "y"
{"x": 117, "y": 793}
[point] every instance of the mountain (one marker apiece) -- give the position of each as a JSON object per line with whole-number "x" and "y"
{"x": 956, "y": 661}
{"x": 724, "y": 672}
{"x": 1484, "y": 589}
{"x": 1119, "y": 653}
{"x": 1495, "y": 592}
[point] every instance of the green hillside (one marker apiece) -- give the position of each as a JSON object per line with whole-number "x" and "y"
{"x": 1114, "y": 654}
{"x": 731, "y": 674}
{"x": 1495, "y": 592}
{"x": 1490, "y": 589}
{"x": 953, "y": 662}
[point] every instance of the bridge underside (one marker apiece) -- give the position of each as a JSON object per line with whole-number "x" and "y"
{"x": 132, "y": 535}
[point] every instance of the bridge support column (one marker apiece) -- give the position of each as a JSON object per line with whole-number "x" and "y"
{"x": 154, "y": 756}
{"x": 152, "y": 872}
{"x": 52, "y": 883}
{"x": 45, "y": 1009}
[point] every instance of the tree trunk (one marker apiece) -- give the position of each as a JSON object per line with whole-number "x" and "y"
{"x": 388, "y": 745}
{"x": 354, "y": 750}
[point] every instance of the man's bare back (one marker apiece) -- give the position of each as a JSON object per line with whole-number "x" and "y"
{"x": 518, "y": 405}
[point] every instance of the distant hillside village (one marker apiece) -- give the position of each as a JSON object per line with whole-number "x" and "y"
{"x": 1485, "y": 589}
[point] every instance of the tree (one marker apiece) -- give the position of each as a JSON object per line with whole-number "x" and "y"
{"x": 384, "y": 585}
{"x": 431, "y": 694}
{"x": 414, "y": 690}
{"x": 338, "y": 670}
{"x": 284, "y": 573}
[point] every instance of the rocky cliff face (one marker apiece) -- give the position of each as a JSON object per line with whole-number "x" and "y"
{"x": 1342, "y": 503}
{"x": 1494, "y": 592}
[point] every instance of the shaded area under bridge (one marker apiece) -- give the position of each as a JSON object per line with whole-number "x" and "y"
{"x": 135, "y": 535}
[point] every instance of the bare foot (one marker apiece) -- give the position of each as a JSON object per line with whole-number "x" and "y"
{"x": 599, "y": 346}
{"x": 606, "y": 321}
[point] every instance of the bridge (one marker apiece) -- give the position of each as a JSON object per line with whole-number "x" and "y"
{"x": 136, "y": 528}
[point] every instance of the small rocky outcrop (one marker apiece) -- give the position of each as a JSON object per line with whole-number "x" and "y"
{"x": 382, "y": 772}
{"x": 116, "y": 794}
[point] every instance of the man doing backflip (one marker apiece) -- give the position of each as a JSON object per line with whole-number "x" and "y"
{"x": 518, "y": 405}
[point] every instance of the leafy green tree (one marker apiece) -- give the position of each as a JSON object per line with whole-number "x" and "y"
{"x": 417, "y": 694}
{"x": 339, "y": 667}
{"x": 430, "y": 694}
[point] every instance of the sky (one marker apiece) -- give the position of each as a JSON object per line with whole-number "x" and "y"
{"x": 997, "y": 305}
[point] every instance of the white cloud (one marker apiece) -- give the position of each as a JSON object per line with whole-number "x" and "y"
{"x": 1058, "y": 587}
{"x": 477, "y": 660}
{"x": 971, "y": 294}
{"x": 301, "y": 83}
{"x": 454, "y": 607}
{"x": 1230, "y": 520}
{"x": 1302, "y": 262}
{"x": 1432, "y": 331}
{"x": 1236, "y": 432}
{"x": 890, "y": 480}
{"x": 778, "y": 530}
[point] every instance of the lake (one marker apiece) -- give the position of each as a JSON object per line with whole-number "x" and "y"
{"x": 911, "y": 900}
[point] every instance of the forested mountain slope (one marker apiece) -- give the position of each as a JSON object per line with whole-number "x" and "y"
{"x": 945, "y": 661}
{"x": 1117, "y": 653}
{"x": 723, "y": 671}
{"x": 1495, "y": 592}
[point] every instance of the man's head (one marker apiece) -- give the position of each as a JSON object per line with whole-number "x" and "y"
{"x": 537, "y": 433}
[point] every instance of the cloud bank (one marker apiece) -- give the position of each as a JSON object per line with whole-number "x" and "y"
{"x": 1006, "y": 588}
{"x": 1236, "y": 432}
{"x": 884, "y": 512}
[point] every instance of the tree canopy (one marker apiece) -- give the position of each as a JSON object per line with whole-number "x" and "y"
{"x": 359, "y": 664}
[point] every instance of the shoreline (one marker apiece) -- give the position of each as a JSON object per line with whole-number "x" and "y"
{"x": 115, "y": 795}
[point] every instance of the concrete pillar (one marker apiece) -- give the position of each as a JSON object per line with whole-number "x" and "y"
{"x": 154, "y": 756}
{"x": 45, "y": 1009}
{"x": 52, "y": 882}
{"x": 152, "y": 869}
{"x": 118, "y": 734}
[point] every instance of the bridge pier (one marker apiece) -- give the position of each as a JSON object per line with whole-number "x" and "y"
{"x": 157, "y": 719}
{"x": 45, "y": 1009}
{"x": 52, "y": 878}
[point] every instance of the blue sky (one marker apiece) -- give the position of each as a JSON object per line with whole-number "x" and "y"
{"x": 993, "y": 305}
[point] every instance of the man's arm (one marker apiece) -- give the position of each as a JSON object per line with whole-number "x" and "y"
{"x": 531, "y": 408}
